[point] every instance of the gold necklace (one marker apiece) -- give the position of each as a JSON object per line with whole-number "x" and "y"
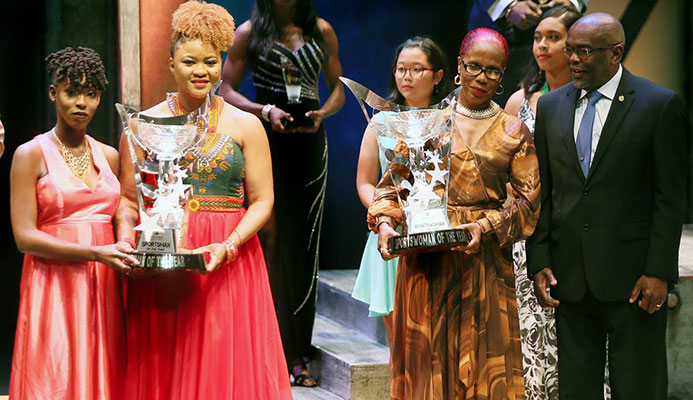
{"x": 78, "y": 165}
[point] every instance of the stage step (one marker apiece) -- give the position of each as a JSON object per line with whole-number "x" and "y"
{"x": 335, "y": 302}
{"x": 303, "y": 393}
{"x": 348, "y": 364}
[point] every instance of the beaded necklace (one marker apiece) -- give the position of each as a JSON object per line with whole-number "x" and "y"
{"x": 78, "y": 165}
{"x": 214, "y": 142}
{"x": 489, "y": 112}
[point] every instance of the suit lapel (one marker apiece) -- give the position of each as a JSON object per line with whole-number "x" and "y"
{"x": 620, "y": 105}
{"x": 567, "y": 111}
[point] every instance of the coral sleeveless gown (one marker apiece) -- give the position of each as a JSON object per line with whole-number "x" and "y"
{"x": 213, "y": 336}
{"x": 70, "y": 339}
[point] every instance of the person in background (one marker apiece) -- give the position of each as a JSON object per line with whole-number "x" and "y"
{"x": 419, "y": 77}
{"x": 516, "y": 20}
{"x": 280, "y": 35}
{"x": 548, "y": 70}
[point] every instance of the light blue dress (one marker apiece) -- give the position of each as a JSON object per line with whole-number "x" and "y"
{"x": 375, "y": 283}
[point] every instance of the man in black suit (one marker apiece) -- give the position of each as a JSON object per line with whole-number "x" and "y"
{"x": 613, "y": 158}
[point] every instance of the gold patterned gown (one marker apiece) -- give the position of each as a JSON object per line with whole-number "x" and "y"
{"x": 456, "y": 329}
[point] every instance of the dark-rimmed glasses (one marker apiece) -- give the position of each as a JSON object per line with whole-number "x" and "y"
{"x": 493, "y": 74}
{"x": 416, "y": 72}
{"x": 586, "y": 51}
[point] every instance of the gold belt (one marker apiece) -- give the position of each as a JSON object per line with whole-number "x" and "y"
{"x": 215, "y": 204}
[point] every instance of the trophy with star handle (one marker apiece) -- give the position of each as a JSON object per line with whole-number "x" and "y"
{"x": 156, "y": 144}
{"x": 417, "y": 143}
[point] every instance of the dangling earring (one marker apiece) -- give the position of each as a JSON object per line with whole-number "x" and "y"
{"x": 502, "y": 89}
{"x": 435, "y": 89}
{"x": 457, "y": 80}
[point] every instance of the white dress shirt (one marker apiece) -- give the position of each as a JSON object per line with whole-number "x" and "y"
{"x": 498, "y": 7}
{"x": 608, "y": 91}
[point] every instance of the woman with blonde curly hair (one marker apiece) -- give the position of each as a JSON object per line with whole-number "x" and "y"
{"x": 211, "y": 336}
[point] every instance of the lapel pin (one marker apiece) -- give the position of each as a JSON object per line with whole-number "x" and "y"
{"x": 621, "y": 98}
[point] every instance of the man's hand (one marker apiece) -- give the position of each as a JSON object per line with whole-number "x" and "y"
{"x": 542, "y": 280}
{"x": 524, "y": 14}
{"x": 653, "y": 291}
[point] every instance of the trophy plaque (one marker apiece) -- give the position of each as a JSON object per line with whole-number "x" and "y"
{"x": 416, "y": 143}
{"x": 156, "y": 144}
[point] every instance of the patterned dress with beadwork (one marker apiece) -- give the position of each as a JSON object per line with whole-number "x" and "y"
{"x": 456, "y": 330}
{"x": 537, "y": 325}
{"x": 70, "y": 340}
{"x": 212, "y": 336}
{"x": 299, "y": 164}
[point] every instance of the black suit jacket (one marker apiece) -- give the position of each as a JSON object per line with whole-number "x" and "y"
{"x": 604, "y": 231}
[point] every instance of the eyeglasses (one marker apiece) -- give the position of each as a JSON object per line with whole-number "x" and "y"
{"x": 586, "y": 51}
{"x": 416, "y": 72}
{"x": 493, "y": 74}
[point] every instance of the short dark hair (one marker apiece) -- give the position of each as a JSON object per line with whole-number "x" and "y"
{"x": 438, "y": 61}
{"x": 75, "y": 65}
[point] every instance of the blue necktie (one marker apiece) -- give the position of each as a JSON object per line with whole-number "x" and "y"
{"x": 584, "y": 136}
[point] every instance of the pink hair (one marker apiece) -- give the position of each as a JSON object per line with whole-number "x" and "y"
{"x": 484, "y": 34}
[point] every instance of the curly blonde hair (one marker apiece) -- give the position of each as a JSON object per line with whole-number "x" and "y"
{"x": 210, "y": 23}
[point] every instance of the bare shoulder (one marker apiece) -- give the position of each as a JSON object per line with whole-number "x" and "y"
{"x": 243, "y": 32}
{"x": 514, "y": 103}
{"x": 324, "y": 26}
{"x": 28, "y": 160}
{"x": 239, "y": 124}
{"x": 28, "y": 152}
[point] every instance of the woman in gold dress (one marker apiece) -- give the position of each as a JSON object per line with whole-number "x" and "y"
{"x": 456, "y": 329}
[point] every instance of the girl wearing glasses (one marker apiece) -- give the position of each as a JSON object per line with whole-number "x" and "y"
{"x": 455, "y": 323}
{"x": 419, "y": 78}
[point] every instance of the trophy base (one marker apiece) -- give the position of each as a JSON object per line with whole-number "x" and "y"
{"x": 170, "y": 261}
{"x": 298, "y": 112}
{"x": 427, "y": 242}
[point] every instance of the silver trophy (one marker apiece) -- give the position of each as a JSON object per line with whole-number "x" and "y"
{"x": 156, "y": 144}
{"x": 416, "y": 142}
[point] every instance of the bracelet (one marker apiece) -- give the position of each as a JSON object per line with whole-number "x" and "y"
{"x": 484, "y": 230}
{"x": 266, "y": 111}
{"x": 382, "y": 221}
{"x": 231, "y": 250}
{"x": 509, "y": 8}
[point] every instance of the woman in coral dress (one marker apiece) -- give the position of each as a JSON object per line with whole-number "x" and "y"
{"x": 70, "y": 340}
{"x": 215, "y": 335}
